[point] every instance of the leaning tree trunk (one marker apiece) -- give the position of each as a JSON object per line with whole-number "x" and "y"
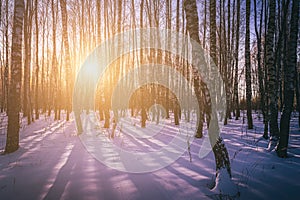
{"x": 12, "y": 143}
{"x": 218, "y": 146}
{"x": 289, "y": 78}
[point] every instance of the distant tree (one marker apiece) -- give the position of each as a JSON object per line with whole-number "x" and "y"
{"x": 226, "y": 55}
{"x": 54, "y": 72}
{"x": 236, "y": 57}
{"x": 143, "y": 111}
{"x": 6, "y": 68}
{"x": 12, "y": 142}
{"x": 98, "y": 7}
{"x": 167, "y": 56}
{"x": 1, "y": 65}
{"x": 64, "y": 16}
{"x": 44, "y": 89}
{"x": 261, "y": 82}
{"x": 2, "y": 99}
{"x": 28, "y": 16}
{"x": 298, "y": 91}
{"x": 36, "y": 61}
{"x": 280, "y": 46}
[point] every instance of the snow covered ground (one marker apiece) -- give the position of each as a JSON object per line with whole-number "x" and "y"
{"x": 52, "y": 163}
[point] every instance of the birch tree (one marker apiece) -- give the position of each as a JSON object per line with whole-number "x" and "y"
{"x": 36, "y": 61}
{"x": 64, "y": 17}
{"x": 219, "y": 149}
{"x": 236, "y": 57}
{"x": 289, "y": 79}
{"x": 6, "y": 67}
{"x": 248, "y": 66}
{"x": 270, "y": 65}
{"x": 28, "y": 15}
{"x": 261, "y": 82}
{"x": 12, "y": 142}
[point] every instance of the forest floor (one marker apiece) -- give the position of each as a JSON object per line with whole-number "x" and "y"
{"x": 52, "y": 163}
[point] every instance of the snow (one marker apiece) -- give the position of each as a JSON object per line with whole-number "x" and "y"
{"x": 52, "y": 163}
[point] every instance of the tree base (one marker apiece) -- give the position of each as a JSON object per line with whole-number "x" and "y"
{"x": 224, "y": 184}
{"x": 198, "y": 135}
{"x": 221, "y": 156}
{"x": 272, "y": 143}
{"x": 265, "y": 136}
{"x": 282, "y": 153}
{"x": 11, "y": 149}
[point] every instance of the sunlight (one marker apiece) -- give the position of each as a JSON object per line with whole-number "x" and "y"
{"x": 149, "y": 99}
